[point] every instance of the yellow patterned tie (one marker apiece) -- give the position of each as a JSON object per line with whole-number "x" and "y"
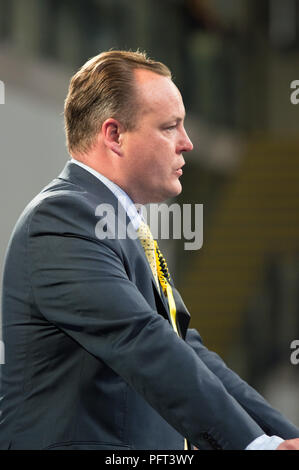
{"x": 159, "y": 268}
{"x": 148, "y": 244}
{"x": 160, "y": 272}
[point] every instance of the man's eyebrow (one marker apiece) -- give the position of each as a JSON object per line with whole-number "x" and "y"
{"x": 177, "y": 119}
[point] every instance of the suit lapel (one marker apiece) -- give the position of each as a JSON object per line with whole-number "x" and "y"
{"x": 183, "y": 316}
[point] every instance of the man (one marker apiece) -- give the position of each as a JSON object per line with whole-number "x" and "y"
{"x": 98, "y": 355}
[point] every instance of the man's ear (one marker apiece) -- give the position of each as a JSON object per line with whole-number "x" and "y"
{"x": 111, "y": 132}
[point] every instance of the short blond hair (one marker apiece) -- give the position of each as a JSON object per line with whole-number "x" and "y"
{"x": 104, "y": 88}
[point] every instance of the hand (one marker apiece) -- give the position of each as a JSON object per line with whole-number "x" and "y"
{"x": 291, "y": 444}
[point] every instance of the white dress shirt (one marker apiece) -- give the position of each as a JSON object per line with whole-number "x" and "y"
{"x": 262, "y": 442}
{"x": 265, "y": 442}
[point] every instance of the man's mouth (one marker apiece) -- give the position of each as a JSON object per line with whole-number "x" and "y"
{"x": 178, "y": 171}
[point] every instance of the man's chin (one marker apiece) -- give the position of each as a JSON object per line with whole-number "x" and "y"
{"x": 156, "y": 197}
{"x": 177, "y": 189}
{"x": 172, "y": 192}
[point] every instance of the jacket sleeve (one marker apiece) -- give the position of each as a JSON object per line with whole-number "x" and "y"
{"x": 80, "y": 285}
{"x": 268, "y": 418}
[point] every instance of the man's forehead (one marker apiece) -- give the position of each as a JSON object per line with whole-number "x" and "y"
{"x": 158, "y": 92}
{"x": 152, "y": 83}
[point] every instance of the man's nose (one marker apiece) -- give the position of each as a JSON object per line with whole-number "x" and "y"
{"x": 186, "y": 143}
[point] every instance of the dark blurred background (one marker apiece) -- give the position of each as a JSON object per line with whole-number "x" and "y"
{"x": 234, "y": 61}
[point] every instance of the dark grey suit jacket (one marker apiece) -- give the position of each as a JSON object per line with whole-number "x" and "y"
{"x": 91, "y": 361}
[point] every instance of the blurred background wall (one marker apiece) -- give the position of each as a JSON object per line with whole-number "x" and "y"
{"x": 234, "y": 61}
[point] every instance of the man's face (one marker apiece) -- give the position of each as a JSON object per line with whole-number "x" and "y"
{"x": 152, "y": 152}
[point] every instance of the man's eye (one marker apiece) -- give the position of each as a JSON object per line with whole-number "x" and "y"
{"x": 169, "y": 128}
